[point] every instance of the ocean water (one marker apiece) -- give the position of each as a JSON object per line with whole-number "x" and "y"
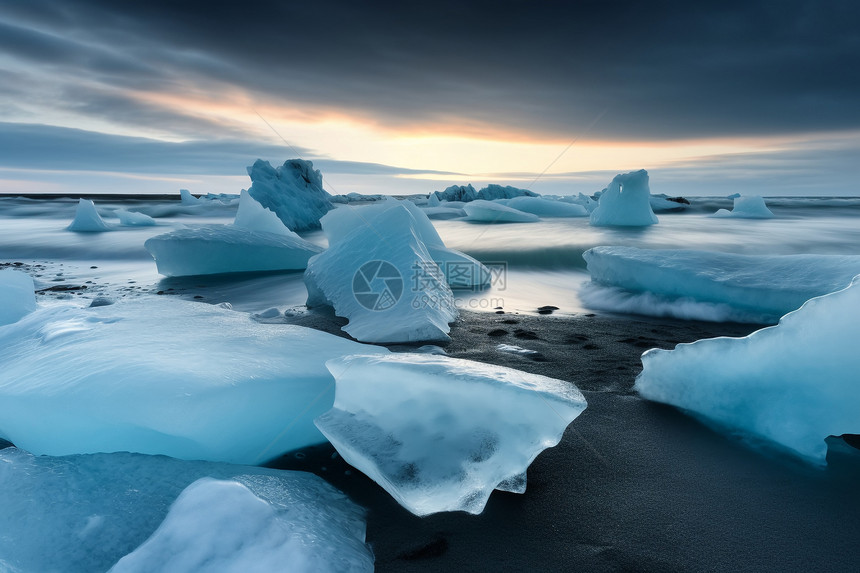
{"x": 539, "y": 263}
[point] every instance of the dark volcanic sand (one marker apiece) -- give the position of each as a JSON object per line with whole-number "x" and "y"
{"x": 633, "y": 486}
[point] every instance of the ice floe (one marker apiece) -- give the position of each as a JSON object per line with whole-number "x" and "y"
{"x": 83, "y": 513}
{"x": 793, "y": 384}
{"x": 760, "y": 288}
{"x": 163, "y": 376}
{"x": 439, "y": 433}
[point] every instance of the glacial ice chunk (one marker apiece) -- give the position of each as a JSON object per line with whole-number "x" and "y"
{"x": 761, "y": 287}
{"x": 547, "y": 207}
{"x": 492, "y": 212}
{"x": 87, "y": 219}
{"x": 256, "y": 241}
{"x": 214, "y": 249}
{"x": 133, "y": 219}
{"x": 83, "y": 513}
{"x": 160, "y": 376}
{"x": 294, "y": 191}
{"x": 383, "y": 279}
{"x": 17, "y": 296}
{"x": 751, "y": 207}
{"x": 439, "y": 433}
{"x": 186, "y": 198}
{"x": 793, "y": 384}
{"x": 221, "y": 526}
{"x": 460, "y": 270}
{"x": 626, "y": 202}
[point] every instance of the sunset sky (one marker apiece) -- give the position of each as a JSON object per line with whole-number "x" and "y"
{"x": 711, "y": 97}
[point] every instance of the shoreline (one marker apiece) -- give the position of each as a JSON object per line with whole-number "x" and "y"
{"x": 633, "y": 485}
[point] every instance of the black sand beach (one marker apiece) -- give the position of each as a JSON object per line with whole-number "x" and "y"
{"x": 633, "y": 486}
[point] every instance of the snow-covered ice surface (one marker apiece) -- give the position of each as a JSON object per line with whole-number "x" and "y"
{"x": 87, "y": 219}
{"x": 547, "y": 207}
{"x": 626, "y": 202}
{"x": 17, "y": 297}
{"x": 79, "y": 514}
{"x": 793, "y": 384}
{"x": 439, "y": 433}
{"x": 215, "y": 249}
{"x": 294, "y": 191}
{"x": 707, "y": 285}
{"x": 491, "y": 212}
{"x": 164, "y": 376}
{"x": 382, "y": 278}
{"x": 751, "y": 207}
{"x": 251, "y": 215}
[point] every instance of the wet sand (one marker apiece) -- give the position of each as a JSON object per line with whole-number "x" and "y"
{"x": 633, "y": 486}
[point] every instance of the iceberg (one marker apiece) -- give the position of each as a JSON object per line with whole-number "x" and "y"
{"x": 17, "y": 296}
{"x": 752, "y": 207}
{"x": 467, "y": 193}
{"x": 793, "y": 384}
{"x": 439, "y": 433}
{"x": 87, "y": 219}
{"x": 460, "y": 270}
{"x": 492, "y": 212}
{"x": 133, "y": 219}
{"x": 453, "y": 193}
{"x": 256, "y": 241}
{"x": 381, "y": 276}
{"x": 493, "y": 191}
{"x": 761, "y": 287}
{"x": 293, "y": 191}
{"x": 547, "y": 207}
{"x": 84, "y": 513}
{"x": 626, "y": 202}
{"x": 163, "y": 376}
{"x": 186, "y": 198}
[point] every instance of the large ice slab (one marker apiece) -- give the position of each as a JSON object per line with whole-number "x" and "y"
{"x": 547, "y": 207}
{"x": 751, "y": 207}
{"x": 87, "y": 219}
{"x": 492, "y": 212}
{"x": 382, "y": 278}
{"x": 83, "y": 513}
{"x": 626, "y": 202}
{"x": 294, "y": 191}
{"x": 460, "y": 270}
{"x": 214, "y": 249}
{"x": 163, "y": 376}
{"x": 794, "y": 384}
{"x": 17, "y": 296}
{"x": 439, "y": 433}
{"x": 759, "y": 288}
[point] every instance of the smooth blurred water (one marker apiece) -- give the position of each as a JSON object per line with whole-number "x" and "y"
{"x": 543, "y": 260}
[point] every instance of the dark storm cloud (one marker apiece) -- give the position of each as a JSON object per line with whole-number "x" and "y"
{"x": 658, "y": 69}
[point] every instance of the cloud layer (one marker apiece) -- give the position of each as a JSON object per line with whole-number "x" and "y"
{"x": 659, "y": 70}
